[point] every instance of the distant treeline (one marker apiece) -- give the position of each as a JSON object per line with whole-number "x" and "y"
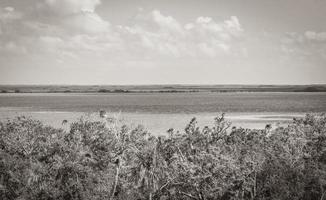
{"x": 162, "y": 89}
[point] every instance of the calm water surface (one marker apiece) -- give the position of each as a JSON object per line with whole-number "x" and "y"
{"x": 159, "y": 111}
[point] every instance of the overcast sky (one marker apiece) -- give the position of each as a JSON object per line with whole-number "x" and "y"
{"x": 162, "y": 41}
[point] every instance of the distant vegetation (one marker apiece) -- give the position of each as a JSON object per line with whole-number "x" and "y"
{"x": 105, "y": 160}
{"x": 160, "y": 88}
{"x": 113, "y": 91}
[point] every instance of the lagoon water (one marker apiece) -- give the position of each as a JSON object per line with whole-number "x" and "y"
{"x": 158, "y": 112}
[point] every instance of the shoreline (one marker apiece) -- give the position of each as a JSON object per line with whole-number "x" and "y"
{"x": 159, "y": 123}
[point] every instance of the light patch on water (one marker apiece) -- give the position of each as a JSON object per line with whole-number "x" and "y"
{"x": 159, "y": 123}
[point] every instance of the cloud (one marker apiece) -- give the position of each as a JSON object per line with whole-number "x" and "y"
{"x": 76, "y": 16}
{"x": 233, "y": 24}
{"x": 157, "y": 33}
{"x": 7, "y": 16}
{"x": 167, "y": 23}
{"x": 68, "y": 7}
{"x": 306, "y": 45}
{"x": 49, "y": 19}
{"x": 73, "y": 30}
{"x": 304, "y": 38}
{"x": 315, "y": 36}
{"x": 86, "y": 22}
{"x": 9, "y": 22}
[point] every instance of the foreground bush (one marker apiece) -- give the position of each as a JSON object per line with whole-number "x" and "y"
{"x": 101, "y": 160}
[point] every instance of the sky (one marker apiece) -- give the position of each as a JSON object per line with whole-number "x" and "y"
{"x": 115, "y": 42}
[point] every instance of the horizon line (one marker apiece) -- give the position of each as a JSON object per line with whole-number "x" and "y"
{"x": 167, "y": 84}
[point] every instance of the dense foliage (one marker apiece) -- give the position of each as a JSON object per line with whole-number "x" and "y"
{"x": 103, "y": 160}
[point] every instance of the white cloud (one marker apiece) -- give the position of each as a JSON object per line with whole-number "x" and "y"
{"x": 60, "y": 19}
{"x": 165, "y": 22}
{"x": 9, "y": 14}
{"x": 233, "y": 24}
{"x": 72, "y": 29}
{"x": 75, "y": 16}
{"x": 304, "y": 38}
{"x": 9, "y": 22}
{"x": 67, "y": 7}
{"x": 9, "y": 9}
{"x": 204, "y": 37}
{"x": 307, "y": 45}
{"x": 315, "y": 36}
{"x": 86, "y": 22}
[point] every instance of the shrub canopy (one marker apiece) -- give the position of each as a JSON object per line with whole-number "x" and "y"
{"x": 104, "y": 160}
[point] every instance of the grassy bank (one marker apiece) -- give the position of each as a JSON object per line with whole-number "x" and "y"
{"x": 108, "y": 160}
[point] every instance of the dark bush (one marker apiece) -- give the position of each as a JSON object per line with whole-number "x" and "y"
{"x": 102, "y": 160}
